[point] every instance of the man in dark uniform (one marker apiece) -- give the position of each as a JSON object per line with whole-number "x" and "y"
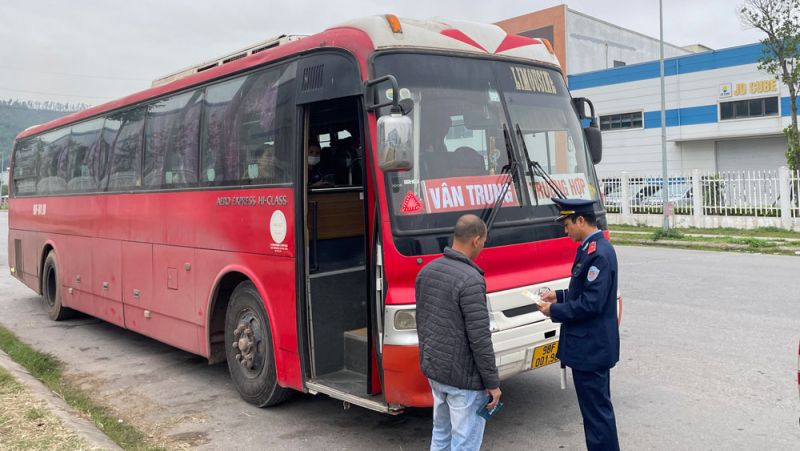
{"x": 587, "y": 311}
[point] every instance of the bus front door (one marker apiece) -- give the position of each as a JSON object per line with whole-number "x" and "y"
{"x": 338, "y": 267}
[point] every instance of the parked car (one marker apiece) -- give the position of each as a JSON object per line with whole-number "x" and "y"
{"x": 638, "y": 192}
{"x": 3, "y": 201}
{"x": 678, "y": 194}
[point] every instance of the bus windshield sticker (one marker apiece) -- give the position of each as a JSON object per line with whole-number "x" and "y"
{"x": 575, "y": 186}
{"x": 533, "y": 80}
{"x": 466, "y": 193}
{"x": 411, "y": 204}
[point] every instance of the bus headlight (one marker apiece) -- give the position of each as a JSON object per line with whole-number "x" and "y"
{"x": 405, "y": 319}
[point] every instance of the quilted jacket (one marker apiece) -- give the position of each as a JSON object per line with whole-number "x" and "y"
{"x": 455, "y": 343}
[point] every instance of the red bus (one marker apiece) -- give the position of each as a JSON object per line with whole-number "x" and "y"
{"x": 192, "y": 213}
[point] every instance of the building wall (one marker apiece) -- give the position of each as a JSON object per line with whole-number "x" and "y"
{"x": 593, "y": 44}
{"x": 694, "y": 88}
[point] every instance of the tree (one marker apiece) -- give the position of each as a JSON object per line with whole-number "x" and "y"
{"x": 780, "y": 21}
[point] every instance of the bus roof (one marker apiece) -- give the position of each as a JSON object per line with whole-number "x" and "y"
{"x": 360, "y": 37}
{"x": 455, "y": 35}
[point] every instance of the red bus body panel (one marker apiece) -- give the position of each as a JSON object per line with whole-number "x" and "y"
{"x": 172, "y": 248}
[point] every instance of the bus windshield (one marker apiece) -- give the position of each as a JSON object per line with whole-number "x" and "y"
{"x": 462, "y": 110}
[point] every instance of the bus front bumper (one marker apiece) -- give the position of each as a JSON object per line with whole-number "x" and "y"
{"x": 403, "y": 381}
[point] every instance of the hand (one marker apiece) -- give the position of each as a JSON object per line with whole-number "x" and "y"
{"x": 495, "y": 394}
{"x": 544, "y": 307}
{"x": 548, "y": 296}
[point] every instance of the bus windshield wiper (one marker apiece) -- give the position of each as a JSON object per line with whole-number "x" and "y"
{"x": 510, "y": 169}
{"x": 536, "y": 169}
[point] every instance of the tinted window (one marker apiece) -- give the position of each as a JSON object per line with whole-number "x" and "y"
{"x": 621, "y": 121}
{"x": 739, "y": 109}
{"x": 126, "y": 152}
{"x": 25, "y": 167}
{"x": 771, "y": 106}
{"x": 726, "y": 110}
{"x": 180, "y": 163}
{"x": 53, "y": 162}
{"x": 247, "y": 134}
{"x": 107, "y": 138}
{"x": 83, "y": 156}
{"x": 164, "y": 127}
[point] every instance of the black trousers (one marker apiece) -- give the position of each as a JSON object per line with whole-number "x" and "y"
{"x": 594, "y": 398}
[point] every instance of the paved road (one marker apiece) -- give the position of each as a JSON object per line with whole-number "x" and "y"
{"x": 709, "y": 355}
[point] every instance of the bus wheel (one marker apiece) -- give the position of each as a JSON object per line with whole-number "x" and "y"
{"x": 249, "y": 350}
{"x": 51, "y": 292}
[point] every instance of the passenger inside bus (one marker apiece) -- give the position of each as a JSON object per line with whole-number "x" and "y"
{"x": 319, "y": 176}
{"x": 436, "y": 159}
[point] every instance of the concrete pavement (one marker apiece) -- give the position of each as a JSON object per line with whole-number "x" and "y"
{"x": 709, "y": 353}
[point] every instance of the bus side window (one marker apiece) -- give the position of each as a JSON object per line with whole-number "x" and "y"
{"x": 247, "y": 130}
{"x": 53, "y": 163}
{"x": 26, "y": 155}
{"x": 126, "y": 154}
{"x": 83, "y": 145}
{"x": 264, "y": 122}
{"x": 105, "y": 146}
{"x": 162, "y": 118}
{"x": 180, "y": 162}
{"x": 220, "y": 161}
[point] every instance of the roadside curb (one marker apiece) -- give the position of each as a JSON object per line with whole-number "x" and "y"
{"x": 94, "y": 438}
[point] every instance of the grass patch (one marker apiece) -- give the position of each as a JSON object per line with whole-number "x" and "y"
{"x": 670, "y": 234}
{"x": 766, "y": 232}
{"x": 34, "y": 413}
{"x": 7, "y": 382}
{"x": 25, "y": 424}
{"x": 697, "y": 243}
{"x": 49, "y": 370}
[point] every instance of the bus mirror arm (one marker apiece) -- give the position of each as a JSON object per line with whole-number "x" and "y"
{"x": 404, "y": 106}
{"x": 580, "y": 104}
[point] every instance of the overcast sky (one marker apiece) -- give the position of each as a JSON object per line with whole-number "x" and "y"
{"x": 93, "y": 51}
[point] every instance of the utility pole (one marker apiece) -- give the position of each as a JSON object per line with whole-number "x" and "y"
{"x": 664, "y": 177}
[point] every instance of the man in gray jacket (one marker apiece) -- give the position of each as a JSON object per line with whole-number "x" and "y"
{"x": 455, "y": 344}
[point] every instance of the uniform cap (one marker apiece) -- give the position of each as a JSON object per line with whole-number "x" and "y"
{"x": 570, "y": 207}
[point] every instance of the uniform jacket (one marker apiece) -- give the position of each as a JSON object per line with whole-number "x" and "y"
{"x": 587, "y": 311}
{"x": 455, "y": 343}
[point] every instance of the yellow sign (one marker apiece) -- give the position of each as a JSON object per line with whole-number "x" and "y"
{"x": 527, "y": 79}
{"x": 755, "y": 87}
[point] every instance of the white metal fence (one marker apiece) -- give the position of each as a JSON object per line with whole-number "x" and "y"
{"x": 700, "y": 194}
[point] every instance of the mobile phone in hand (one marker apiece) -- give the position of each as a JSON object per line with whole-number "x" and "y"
{"x": 489, "y": 413}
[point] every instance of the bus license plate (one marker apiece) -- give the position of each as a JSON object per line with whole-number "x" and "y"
{"x": 545, "y": 355}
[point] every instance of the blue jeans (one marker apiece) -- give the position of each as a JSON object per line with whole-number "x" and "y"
{"x": 456, "y": 424}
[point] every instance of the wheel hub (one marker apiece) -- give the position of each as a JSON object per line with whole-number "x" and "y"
{"x": 247, "y": 342}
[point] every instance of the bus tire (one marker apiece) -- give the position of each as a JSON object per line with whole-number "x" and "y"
{"x": 249, "y": 350}
{"x": 51, "y": 290}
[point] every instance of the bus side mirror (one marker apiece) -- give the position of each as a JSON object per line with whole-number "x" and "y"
{"x": 395, "y": 141}
{"x": 585, "y": 111}
{"x": 595, "y": 141}
{"x": 395, "y": 130}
